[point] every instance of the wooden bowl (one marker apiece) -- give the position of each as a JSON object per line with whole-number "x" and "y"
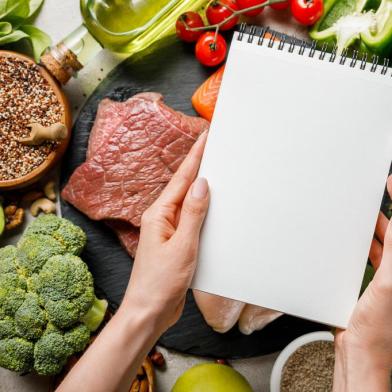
{"x": 56, "y": 154}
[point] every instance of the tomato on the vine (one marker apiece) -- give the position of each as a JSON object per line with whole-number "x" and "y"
{"x": 219, "y": 10}
{"x": 307, "y": 12}
{"x": 210, "y": 52}
{"x": 190, "y": 19}
{"x": 281, "y": 6}
{"x": 250, "y": 3}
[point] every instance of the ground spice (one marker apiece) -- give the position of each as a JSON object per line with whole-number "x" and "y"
{"x": 25, "y": 98}
{"x": 310, "y": 368}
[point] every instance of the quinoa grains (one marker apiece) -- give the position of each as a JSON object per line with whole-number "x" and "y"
{"x": 309, "y": 368}
{"x": 25, "y": 97}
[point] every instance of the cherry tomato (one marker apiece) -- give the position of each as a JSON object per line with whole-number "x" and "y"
{"x": 250, "y": 3}
{"x": 208, "y": 52}
{"x": 307, "y": 12}
{"x": 219, "y": 10}
{"x": 190, "y": 19}
{"x": 281, "y": 6}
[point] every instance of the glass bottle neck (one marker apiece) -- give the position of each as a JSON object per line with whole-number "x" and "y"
{"x": 71, "y": 54}
{"x": 148, "y": 21}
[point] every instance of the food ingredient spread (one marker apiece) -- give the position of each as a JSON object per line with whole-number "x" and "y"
{"x": 25, "y": 98}
{"x": 310, "y": 368}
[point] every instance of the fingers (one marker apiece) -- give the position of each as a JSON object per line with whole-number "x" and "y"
{"x": 193, "y": 212}
{"x": 178, "y": 186}
{"x": 375, "y": 253}
{"x": 381, "y": 227}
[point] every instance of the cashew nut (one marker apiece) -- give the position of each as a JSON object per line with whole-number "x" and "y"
{"x": 45, "y": 205}
{"x": 40, "y": 134}
{"x": 49, "y": 190}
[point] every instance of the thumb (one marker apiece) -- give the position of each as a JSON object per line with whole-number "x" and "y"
{"x": 193, "y": 211}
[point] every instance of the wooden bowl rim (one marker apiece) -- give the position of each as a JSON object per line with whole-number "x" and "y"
{"x": 54, "y": 155}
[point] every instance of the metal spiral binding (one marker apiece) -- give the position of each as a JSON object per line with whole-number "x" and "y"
{"x": 309, "y": 48}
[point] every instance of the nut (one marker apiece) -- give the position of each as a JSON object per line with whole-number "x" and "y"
{"x": 13, "y": 216}
{"x": 157, "y": 359}
{"x": 45, "y": 205}
{"x": 31, "y": 196}
{"x": 49, "y": 190}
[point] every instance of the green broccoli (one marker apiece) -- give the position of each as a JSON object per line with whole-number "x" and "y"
{"x": 51, "y": 353}
{"x": 48, "y": 308}
{"x": 78, "y": 337}
{"x": 53, "y": 349}
{"x": 71, "y": 237}
{"x": 7, "y": 328}
{"x": 8, "y": 259}
{"x": 16, "y": 354}
{"x": 30, "y": 318}
{"x": 35, "y": 250}
{"x": 65, "y": 286}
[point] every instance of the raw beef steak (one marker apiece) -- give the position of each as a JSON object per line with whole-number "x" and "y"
{"x": 134, "y": 149}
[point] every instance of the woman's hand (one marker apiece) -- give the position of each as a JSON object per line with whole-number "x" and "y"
{"x": 169, "y": 240}
{"x": 364, "y": 349}
{"x": 162, "y": 272}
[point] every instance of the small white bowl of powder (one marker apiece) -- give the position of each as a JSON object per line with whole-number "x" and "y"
{"x": 305, "y": 365}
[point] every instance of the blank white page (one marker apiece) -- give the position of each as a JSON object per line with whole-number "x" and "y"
{"x": 297, "y": 158}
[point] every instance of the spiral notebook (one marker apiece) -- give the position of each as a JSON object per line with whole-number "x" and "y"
{"x": 297, "y": 158}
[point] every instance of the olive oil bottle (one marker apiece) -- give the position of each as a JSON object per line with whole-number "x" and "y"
{"x": 124, "y": 26}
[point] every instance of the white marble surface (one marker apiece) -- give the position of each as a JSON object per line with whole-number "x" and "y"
{"x": 58, "y": 18}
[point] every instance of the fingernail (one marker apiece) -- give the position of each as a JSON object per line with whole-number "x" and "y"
{"x": 199, "y": 188}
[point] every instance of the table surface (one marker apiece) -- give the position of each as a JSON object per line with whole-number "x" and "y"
{"x": 58, "y": 18}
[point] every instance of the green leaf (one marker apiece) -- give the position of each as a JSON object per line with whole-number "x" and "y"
{"x": 5, "y": 28}
{"x": 34, "y": 6}
{"x": 15, "y": 36}
{"x": 39, "y": 40}
{"x": 14, "y": 9}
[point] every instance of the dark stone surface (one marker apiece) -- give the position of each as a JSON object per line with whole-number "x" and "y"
{"x": 173, "y": 71}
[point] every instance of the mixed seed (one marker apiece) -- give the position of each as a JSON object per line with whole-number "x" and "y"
{"x": 25, "y": 97}
{"x": 310, "y": 368}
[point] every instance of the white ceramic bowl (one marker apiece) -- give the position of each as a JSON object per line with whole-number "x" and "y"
{"x": 276, "y": 375}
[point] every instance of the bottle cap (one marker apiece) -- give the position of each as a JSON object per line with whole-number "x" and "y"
{"x": 61, "y": 62}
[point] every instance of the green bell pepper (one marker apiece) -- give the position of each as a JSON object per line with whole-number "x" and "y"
{"x": 367, "y": 24}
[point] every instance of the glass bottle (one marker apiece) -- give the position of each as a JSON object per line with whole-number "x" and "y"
{"x": 124, "y": 26}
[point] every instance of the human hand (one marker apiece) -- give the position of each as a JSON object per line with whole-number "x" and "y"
{"x": 364, "y": 349}
{"x": 169, "y": 239}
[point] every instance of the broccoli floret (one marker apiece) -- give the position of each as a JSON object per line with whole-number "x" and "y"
{"x": 8, "y": 259}
{"x": 7, "y": 328}
{"x": 77, "y": 338}
{"x": 71, "y": 237}
{"x": 51, "y": 353}
{"x": 35, "y": 250}
{"x": 66, "y": 287}
{"x": 16, "y": 354}
{"x": 12, "y": 293}
{"x": 30, "y": 318}
{"x": 47, "y": 303}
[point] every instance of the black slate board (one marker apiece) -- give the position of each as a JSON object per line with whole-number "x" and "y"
{"x": 172, "y": 70}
